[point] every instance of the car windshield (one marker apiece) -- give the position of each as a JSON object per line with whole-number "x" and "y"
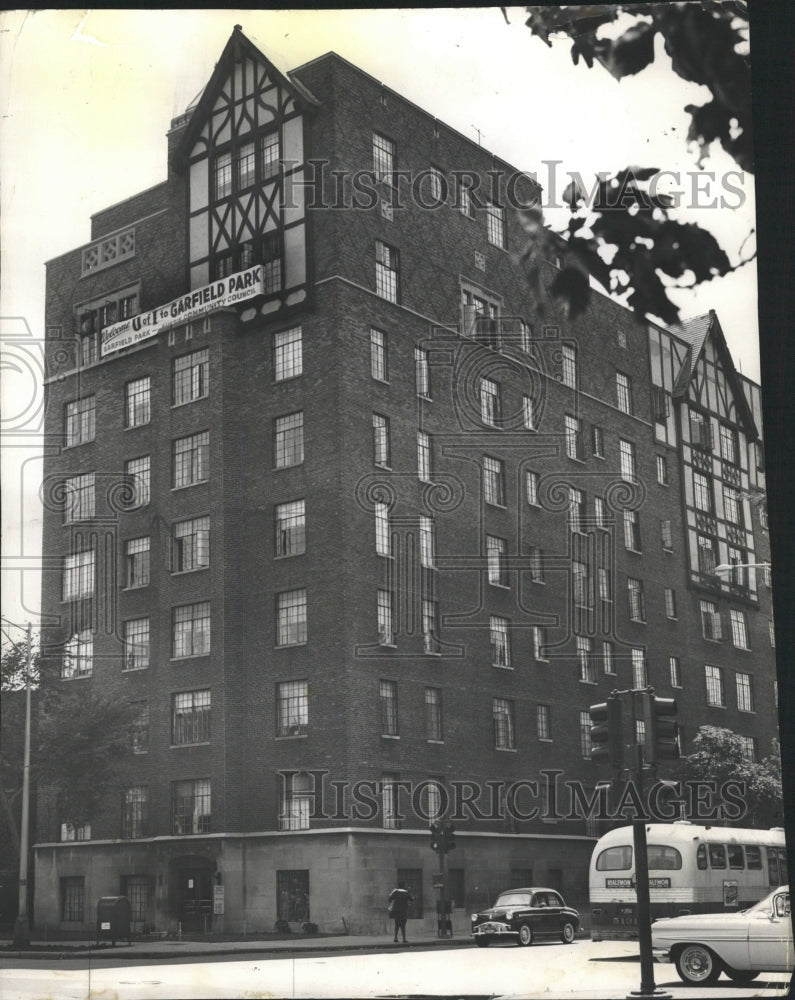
{"x": 513, "y": 899}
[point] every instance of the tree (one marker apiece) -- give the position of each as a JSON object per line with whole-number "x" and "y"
{"x": 719, "y": 755}
{"x": 622, "y": 233}
{"x": 13, "y": 666}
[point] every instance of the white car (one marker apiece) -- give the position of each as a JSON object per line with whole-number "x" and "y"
{"x": 740, "y": 944}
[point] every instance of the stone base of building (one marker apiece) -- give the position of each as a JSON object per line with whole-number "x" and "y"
{"x": 327, "y": 881}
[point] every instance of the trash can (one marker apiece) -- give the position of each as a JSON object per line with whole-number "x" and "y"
{"x": 113, "y": 919}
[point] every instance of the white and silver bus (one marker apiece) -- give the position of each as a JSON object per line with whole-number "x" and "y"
{"x": 692, "y": 869}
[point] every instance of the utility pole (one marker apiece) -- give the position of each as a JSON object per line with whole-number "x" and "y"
{"x": 22, "y": 924}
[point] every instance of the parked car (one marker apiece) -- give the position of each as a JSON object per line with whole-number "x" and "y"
{"x": 741, "y": 944}
{"x": 524, "y": 915}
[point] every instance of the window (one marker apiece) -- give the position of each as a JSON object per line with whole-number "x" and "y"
{"x": 79, "y": 498}
{"x": 666, "y": 535}
{"x": 710, "y": 621}
{"x": 430, "y": 626}
{"x": 190, "y": 804}
{"x": 706, "y": 554}
{"x": 438, "y": 186}
{"x": 737, "y": 560}
{"x": 390, "y": 810}
{"x": 495, "y": 225}
{"x": 585, "y": 734}
{"x": 489, "y": 402}
{"x": 289, "y": 440}
{"x": 424, "y": 456}
{"x": 632, "y": 530}
{"x": 136, "y": 644}
{"x": 295, "y": 803}
{"x": 576, "y": 509}
{"x": 539, "y": 643}
{"x": 88, "y": 349}
{"x": 502, "y": 714}
{"x": 189, "y": 377}
{"x": 493, "y": 481}
{"x": 536, "y": 564}
{"x": 75, "y": 831}
{"x": 608, "y": 662}
{"x": 384, "y": 617}
{"x": 78, "y": 655}
{"x": 544, "y": 722}
{"x": 386, "y": 271}
{"x": 138, "y": 474}
{"x": 585, "y": 659}
{"x": 495, "y": 558}
{"x": 637, "y": 604}
{"x": 728, "y": 444}
{"x": 500, "y": 644}
{"x": 292, "y": 708}
{"x": 383, "y": 158}
{"x": 383, "y": 543}
{"x": 191, "y": 630}
{"x": 464, "y": 197}
{"x": 389, "y": 710}
{"x": 715, "y": 691}
{"x": 191, "y": 459}
{"x": 573, "y": 437}
{"x": 381, "y": 440}
{"x": 702, "y": 492}
{"x": 749, "y": 752}
{"x": 627, "y": 453}
{"x": 190, "y": 545}
{"x": 640, "y": 731}
{"x": 422, "y": 373}
{"x": 597, "y": 441}
{"x": 427, "y": 542}
{"x": 745, "y": 692}
{"x": 640, "y": 676}
{"x": 661, "y": 463}
{"x": 531, "y": 480}
{"x": 525, "y": 336}
{"x": 135, "y": 812}
{"x": 700, "y": 430}
{"x": 272, "y": 252}
{"x": 136, "y": 563}
{"x": 288, "y": 360}
{"x": 136, "y": 889}
{"x": 569, "y": 365}
{"x": 378, "y": 355}
{"x": 624, "y": 392}
{"x": 137, "y": 402}
{"x": 291, "y": 618}
{"x": 675, "y": 669}
{"x": 80, "y": 421}
{"x": 246, "y": 161}
{"x": 269, "y": 154}
{"x": 72, "y": 899}
{"x": 190, "y": 717}
{"x": 223, "y": 175}
{"x": 290, "y": 528}
{"x": 528, "y": 413}
{"x": 580, "y": 584}
{"x": 140, "y": 728}
{"x": 670, "y": 602}
{"x": 78, "y": 576}
{"x": 732, "y": 505}
{"x": 739, "y": 628}
{"x": 433, "y": 714}
{"x": 599, "y": 512}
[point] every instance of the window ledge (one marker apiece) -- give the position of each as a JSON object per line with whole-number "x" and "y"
{"x": 389, "y": 736}
{"x": 135, "y": 427}
{"x": 134, "y": 670}
{"x": 502, "y": 586}
{"x": 189, "y": 656}
{"x": 182, "y": 746}
{"x": 436, "y": 742}
{"x": 506, "y": 749}
{"x": 184, "y": 572}
{"x": 187, "y": 486}
{"x": 545, "y": 739}
{"x": 187, "y": 402}
{"x": 502, "y": 666}
{"x": 292, "y": 736}
{"x": 290, "y": 645}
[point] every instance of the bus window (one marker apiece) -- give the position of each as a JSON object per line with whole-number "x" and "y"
{"x": 664, "y": 858}
{"x": 701, "y": 857}
{"x": 615, "y": 859}
{"x": 753, "y": 856}
{"x": 717, "y": 856}
{"x": 735, "y": 853}
{"x": 777, "y": 866}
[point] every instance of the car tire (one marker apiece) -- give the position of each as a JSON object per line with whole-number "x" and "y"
{"x": 567, "y": 932}
{"x": 741, "y": 976}
{"x": 525, "y": 935}
{"x": 697, "y": 965}
{"x": 481, "y": 941}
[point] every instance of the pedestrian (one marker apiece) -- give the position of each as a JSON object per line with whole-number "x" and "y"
{"x": 399, "y": 900}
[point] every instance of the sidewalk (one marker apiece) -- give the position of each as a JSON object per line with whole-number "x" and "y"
{"x": 173, "y": 948}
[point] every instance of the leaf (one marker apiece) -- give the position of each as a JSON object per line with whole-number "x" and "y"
{"x": 630, "y": 53}
{"x": 572, "y": 289}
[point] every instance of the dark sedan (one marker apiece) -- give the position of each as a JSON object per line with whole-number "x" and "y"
{"x": 524, "y": 915}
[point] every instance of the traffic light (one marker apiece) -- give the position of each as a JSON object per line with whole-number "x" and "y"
{"x": 436, "y": 837}
{"x": 607, "y": 740}
{"x": 449, "y": 837}
{"x": 662, "y": 729}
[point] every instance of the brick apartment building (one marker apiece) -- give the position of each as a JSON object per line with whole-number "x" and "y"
{"x": 353, "y": 524}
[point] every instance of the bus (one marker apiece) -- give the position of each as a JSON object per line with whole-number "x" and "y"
{"x": 692, "y": 869}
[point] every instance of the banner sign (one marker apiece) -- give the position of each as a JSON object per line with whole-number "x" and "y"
{"x": 224, "y": 292}
{"x": 628, "y": 883}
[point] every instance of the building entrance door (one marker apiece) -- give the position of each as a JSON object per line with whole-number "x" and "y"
{"x": 196, "y": 899}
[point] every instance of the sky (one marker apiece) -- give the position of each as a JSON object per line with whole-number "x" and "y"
{"x": 87, "y": 98}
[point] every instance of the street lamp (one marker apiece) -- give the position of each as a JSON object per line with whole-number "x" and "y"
{"x": 728, "y": 567}
{"x": 22, "y": 923}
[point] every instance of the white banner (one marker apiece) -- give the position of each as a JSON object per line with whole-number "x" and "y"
{"x": 224, "y": 292}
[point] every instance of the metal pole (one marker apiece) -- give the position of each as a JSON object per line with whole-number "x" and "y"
{"x": 22, "y": 924}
